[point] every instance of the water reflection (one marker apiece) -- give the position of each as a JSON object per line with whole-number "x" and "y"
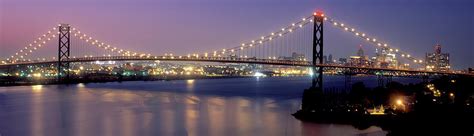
{"x": 97, "y": 109}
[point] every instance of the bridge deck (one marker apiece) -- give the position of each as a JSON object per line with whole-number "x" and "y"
{"x": 227, "y": 60}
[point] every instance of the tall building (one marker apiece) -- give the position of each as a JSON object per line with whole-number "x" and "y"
{"x": 360, "y": 59}
{"x": 330, "y": 59}
{"x": 385, "y": 58}
{"x": 437, "y": 61}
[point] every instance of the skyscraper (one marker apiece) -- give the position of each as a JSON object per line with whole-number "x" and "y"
{"x": 437, "y": 61}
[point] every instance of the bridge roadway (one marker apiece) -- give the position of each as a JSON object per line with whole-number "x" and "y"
{"x": 227, "y": 60}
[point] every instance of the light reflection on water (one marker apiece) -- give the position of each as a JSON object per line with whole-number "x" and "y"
{"x": 188, "y": 107}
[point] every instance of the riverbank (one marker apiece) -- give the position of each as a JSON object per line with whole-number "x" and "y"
{"x": 443, "y": 106}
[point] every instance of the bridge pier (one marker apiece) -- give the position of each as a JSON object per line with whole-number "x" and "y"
{"x": 313, "y": 97}
{"x": 380, "y": 81}
{"x": 348, "y": 80}
{"x": 317, "y": 53}
{"x": 63, "y": 53}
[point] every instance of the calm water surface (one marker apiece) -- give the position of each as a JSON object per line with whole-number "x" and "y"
{"x": 214, "y": 107}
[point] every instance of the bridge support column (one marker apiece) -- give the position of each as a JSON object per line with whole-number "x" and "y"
{"x": 63, "y": 52}
{"x": 317, "y": 55}
{"x": 348, "y": 80}
{"x": 380, "y": 80}
{"x": 313, "y": 97}
{"x": 389, "y": 79}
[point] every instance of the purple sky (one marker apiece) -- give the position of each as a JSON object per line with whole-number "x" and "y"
{"x": 179, "y": 26}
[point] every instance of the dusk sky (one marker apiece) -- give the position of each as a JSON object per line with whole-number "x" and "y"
{"x": 180, "y": 26}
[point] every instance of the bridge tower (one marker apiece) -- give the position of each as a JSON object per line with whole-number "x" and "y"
{"x": 63, "y": 52}
{"x": 317, "y": 82}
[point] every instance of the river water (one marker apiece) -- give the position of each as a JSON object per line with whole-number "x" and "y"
{"x": 209, "y": 107}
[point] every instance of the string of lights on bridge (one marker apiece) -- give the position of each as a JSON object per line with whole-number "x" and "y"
{"x": 300, "y": 24}
{"x": 50, "y": 34}
{"x": 33, "y": 46}
{"x": 41, "y": 41}
{"x": 107, "y": 47}
{"x": 372, "y": 40}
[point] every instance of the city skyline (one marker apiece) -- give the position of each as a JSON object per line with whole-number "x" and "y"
{"x": 182, "y": 27}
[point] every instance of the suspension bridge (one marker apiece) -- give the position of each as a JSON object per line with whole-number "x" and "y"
{"x": 303, "y": 37}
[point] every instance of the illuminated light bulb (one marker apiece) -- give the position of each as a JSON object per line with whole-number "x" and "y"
{"x": 270, "y": 38}
{"x": 283, "y": 29}
{"x": 374, "y": 40}
{"x": 342, "y": 24}
{"x": 391, "y": 49}
{"x": 368, "y": 39}
{"x": 262, "y": 37}
{"x": 232, "y": 50}
{"x": 301, "y": 25}
{"x": 260, "y": 42}
{"x": 346, "y": 28}
{"x": 303, "y": 19}
{"x": 250, "y": 45}
{"x": 408, "y": 55}
{"x": 31, "y": 45}
{"x": 325, "y": 18}
{"x": 253, "y": 41}
{"x": 34, "y": 41}
{"x": 293, "y": 24}
{"x": 241, "y": 48}
{"x": 290, "y": 30}
{"x": 21, "y": 50}
{"x": 357, "y": 34}
{"x": 396, "y": 50}
{"x": 273, "y": 33}
{"x": 363, "y": 34}
{"x": 335, "y": 23}
{"x": 310, "y": 20}
{"x": 421, "y": 61}
{"x": 379, "y": 44}
{"x": 352, "y": 29}
{"x": 403, "y": 55}
{"x": 385, "y": 45}
{"x": 280, "y": 34}
{"x": 415, "y": 61}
